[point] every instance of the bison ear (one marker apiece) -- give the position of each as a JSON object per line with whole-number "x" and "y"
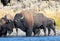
{"x": 22, "y": 17}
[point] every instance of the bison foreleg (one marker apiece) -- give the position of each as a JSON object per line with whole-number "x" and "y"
{"x": 36, "y": 32}
{"x": 29, "y": 31}
{"x": 44, "y": 29}
{"x": 16, "y": 31}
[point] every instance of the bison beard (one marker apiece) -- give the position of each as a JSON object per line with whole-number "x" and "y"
{"x": 5, "y": 2}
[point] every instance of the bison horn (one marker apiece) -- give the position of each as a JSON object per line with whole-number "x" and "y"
{"x": 22, "y": 17}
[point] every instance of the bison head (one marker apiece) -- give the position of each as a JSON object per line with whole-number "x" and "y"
{"x": 7, "y": 24}
{"x": 5, "y": 2}
{"x": 19, "y": 20}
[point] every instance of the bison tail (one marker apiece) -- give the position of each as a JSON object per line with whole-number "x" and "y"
{"x": 54, "y": 23}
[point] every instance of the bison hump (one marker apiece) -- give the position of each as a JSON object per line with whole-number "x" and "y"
{"x": 39, "y": 19}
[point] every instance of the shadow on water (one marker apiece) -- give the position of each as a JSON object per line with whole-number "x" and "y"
{"x": 26, "y": 37}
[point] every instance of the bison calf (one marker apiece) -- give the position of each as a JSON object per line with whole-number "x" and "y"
{"x": 6, "y": 26}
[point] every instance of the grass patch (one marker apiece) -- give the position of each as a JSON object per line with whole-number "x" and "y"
{"x": 58, "y": 23}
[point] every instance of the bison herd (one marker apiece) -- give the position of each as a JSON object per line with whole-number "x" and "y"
{"x": 28, "y": 22}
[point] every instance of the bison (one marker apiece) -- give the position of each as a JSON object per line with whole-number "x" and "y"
{"x": 49, "y": 24}
{"x": 29, "y": 22}
{"x": 5, "y": 2}
{"x": 6, "y": 26}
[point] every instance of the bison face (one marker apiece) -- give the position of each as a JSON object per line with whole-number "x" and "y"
{"x": 10, "y": 26}
{"x": 19, "y": 20}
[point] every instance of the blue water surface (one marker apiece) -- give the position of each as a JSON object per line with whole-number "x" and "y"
{"x": 42, "y": 38}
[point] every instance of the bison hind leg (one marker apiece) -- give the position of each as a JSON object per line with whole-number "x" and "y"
{"x": 54, "y": 30}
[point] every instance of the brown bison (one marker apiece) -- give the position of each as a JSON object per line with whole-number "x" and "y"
{"x": 29, "y": 22}
{"x": 5, "y": 2}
